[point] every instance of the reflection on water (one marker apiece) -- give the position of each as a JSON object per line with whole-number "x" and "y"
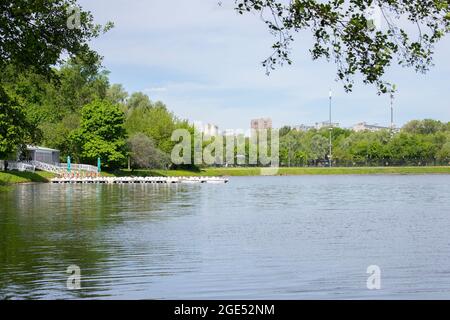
{"x": 46, "y": 228}
{"x": 261, "y": 237}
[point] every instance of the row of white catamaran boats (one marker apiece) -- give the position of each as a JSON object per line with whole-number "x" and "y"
{"x": 123, "y": 180}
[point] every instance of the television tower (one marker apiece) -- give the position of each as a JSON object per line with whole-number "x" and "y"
{"x": 330, "y": 128}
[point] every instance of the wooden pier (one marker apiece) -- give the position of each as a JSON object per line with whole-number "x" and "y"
{"x": 143, "y": 180}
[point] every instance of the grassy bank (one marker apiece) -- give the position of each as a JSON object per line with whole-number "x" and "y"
{"x": 12, "y": 177}
{"x": 286, "y": 171}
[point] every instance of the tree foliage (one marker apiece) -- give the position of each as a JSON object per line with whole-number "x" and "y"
{"x": 59, "y": 113}
{"x": 13, "y": 125}
{"x": 35, "y": 33}
{"x": 144, "y": 154}
{"x": 34, "y": 37}
{"x": 425, "y": 142}
{"x": 116, "y": 94}
{"x": 346, "y": 32}
{"x": 102, "y": 134}
{"x": 154, "y": 120}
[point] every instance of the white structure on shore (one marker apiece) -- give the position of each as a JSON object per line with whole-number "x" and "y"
{"x": 41, "y": 154}
{"x": 326, "y": 124}
{"x": 363, "y": 126}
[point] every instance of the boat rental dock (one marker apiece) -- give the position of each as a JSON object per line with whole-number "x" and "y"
{"x": 143, "y": 180}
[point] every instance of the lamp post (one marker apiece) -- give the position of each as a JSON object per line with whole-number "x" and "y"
{"x": 330, "y": 128}
{"x": 392, "y": 107}
{"x": 392, "y": 111}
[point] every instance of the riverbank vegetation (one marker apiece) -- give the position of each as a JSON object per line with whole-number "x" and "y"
{"x": 84, "y": 116}
{"x": 418, "y": 143}
{"x": 69, "y": 104}
{"x": 254, "y": 171}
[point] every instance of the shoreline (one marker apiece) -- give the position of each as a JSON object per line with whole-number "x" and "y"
{"x": 297, "y": 171}
{"x": 15, "y": 177}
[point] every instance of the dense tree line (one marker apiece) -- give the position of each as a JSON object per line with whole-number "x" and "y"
{"x": 80, "y": 113}
{"x": 425, "y": 142}
{"x": 54, "y": 91}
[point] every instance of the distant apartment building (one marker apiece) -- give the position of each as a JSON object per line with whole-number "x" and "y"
{"x": 363, "y": 126}
{"x": 260, "y": 124}
{"x": 326, "y": 124}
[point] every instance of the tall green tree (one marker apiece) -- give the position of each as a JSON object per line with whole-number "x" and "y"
{"x": 153, "y": 119}
{"x": 35, "y": 35}
{"x": 53, "y": 105}
{"x": 318, "y": 148}
{"x": 443, "y": 155}
{"x": 139, "y": 100}
{"x": 144, "y": 154}
{"x": 102, "y": 134}
{"x": 116, "y": 94}
{"x": 13, "y": 125}
{"x": 80, "y": 81}
{"x": 427, "y": 126}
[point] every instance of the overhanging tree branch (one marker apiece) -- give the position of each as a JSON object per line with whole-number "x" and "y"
{"x": 342, "y": 29}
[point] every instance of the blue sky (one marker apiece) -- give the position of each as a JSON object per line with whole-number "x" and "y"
{"x": 204, "y": 62}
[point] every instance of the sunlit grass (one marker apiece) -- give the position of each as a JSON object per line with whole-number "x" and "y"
{"x": 252, "y": 171}
{"x": 12, "y": 177}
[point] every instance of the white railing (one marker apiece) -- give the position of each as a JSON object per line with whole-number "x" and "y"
{"x": 49, "y": 167}
{"x": 45, "y": 166}
{"x": 79, "y": 167}
{"x": 20, "y": 166}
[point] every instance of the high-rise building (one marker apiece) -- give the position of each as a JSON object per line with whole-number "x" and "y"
{"x": 261, "y": 123}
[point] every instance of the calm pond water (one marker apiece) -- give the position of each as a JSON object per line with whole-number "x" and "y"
{"x": 253, "y": 238}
